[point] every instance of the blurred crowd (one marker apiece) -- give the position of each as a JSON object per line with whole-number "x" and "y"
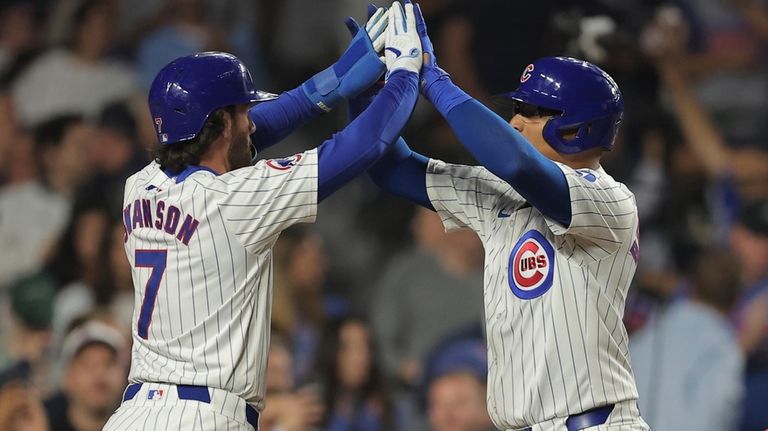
{"x": 378, "y": 317}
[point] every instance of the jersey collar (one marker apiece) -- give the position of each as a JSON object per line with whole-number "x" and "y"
{"x": 189, "y": 170}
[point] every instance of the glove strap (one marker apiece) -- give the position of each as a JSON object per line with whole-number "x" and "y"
{"x": 322, "y": 89}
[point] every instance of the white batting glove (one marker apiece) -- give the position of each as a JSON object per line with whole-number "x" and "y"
{"x": 402, "y": 44}
{"x": 376, "y": 27}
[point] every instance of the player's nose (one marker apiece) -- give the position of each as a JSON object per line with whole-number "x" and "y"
{"x": 517, "y": 122}
{"x": 252, "y": 127}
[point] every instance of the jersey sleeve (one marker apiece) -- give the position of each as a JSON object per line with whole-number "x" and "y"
{"x": 603, "y": 212}
{"x": 464, "y": 196}
{"x": 267, "y": 198}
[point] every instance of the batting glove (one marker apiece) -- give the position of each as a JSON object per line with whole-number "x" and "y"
{"x": 431, "y": 72}
{"x": 434, "y": 82}
{"x": 357, "y": 69}
{"x": 402, "y": 46}
{"x": 378, "y": 20}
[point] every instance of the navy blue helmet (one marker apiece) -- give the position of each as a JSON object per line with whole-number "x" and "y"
{"x": 588, "y": 101}
{"x": 187, "y": 90}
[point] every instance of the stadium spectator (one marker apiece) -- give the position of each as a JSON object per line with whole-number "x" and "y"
{"x": 184, "y": 32}
{"x": 115, "y": 154}
{"x": 687, "y": 351}
{"x": 35, "y": 212}
{"x": 27, "y": 327}
{"x": 302, "y": 304}
{"x": 457, "y": 403}
{"x": 749, "y": 241}
{"x": 288, "y": 409}
{"x": 95, "y": 356}
{"x": 20, "y": 407}
{"x": 354, "y": 389}
{"x": 19, "y": 33}
{"x": 79, "y": 79}
{"x": 427, "y": 293}
{"x": 80, "y": 267}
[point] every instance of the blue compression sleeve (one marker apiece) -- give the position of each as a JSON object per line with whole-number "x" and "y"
{"x": 403, "y": 172}
{"x": 400, "y": 170}
{"x": 276, "y": 119}
{"x": 354, "y": 149}
{"x": 506, "y": 153}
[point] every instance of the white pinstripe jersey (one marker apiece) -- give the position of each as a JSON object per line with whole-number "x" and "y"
{"x": 554, "y": 296}
{"x": 201, "y": 256}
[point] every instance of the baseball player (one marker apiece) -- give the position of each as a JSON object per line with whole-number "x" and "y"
{"x": 560, "y": 239}
{"x": 201, "y": 221}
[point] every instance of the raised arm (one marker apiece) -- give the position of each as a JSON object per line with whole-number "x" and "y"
{"x": 400, "y": 171}
{"x": 493, "y": 142}
{"x": 357, "y": 68}
{"x": 364, "y": 140}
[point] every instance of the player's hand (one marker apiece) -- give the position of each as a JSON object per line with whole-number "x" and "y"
{"x": 402, "y": 44}
{"x": 431, "y": 72}
{"x": 357, "y": 68}
{"x": 378, "y": 20}
{"x": 375, "y": 27}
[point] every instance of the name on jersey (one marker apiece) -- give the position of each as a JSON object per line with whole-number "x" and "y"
{"x": 531, "y": 266}
{"x": 163, "y": 217}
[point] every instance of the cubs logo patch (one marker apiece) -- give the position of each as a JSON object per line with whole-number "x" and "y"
{"x": 531, "y": 266}
{"x": 285, "y": 163}
{"x": 526, "y": 73}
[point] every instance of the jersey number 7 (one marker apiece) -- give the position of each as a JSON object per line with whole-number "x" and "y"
{"x": 155, "y": 259}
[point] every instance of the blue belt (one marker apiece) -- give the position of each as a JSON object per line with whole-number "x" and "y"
{"x": 589, "y": 418}
{"x": 195, "y": 393}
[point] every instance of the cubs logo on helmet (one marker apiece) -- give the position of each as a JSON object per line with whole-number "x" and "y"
{"x": 531, "y": 266}
{"x": 589, "y": 101}
{"x": 526, "y": 73}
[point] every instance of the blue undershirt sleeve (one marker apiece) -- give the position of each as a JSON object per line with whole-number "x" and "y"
{"x": 509, "y": 156}
{"x": 403, "y": 172}
{"x": 354, "y": 149}
{"x": 400, "y": 170}
{"x": 277, "y": 119}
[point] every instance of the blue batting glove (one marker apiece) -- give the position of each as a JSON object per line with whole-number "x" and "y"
{"x": 435, "y": 83}
{"x": 357, "y": 69}
{"x": 430, "y": 72}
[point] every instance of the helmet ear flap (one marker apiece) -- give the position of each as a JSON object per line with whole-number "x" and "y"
{"x": 554, "y": 135}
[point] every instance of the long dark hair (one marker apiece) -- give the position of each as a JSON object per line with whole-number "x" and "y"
{"x": 177, "y": 156}
{"x": 65, "y": 265}
{"x": 373, "y": 389}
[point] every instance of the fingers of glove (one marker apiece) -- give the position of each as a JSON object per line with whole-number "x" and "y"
{"x": 426, "y": 43}
{"x": 421, "y": 25}
{"x": 371, "y": 10}
{"x": 352, "y": 26}
{"x": 410, "y": 18}
{"x": 376, "y": 28}
{"x": 397, "y": 18}
{"x": 374, "y": 18}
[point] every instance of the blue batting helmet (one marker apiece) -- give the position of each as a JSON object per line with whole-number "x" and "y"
{"x": 589, "y": 101}
{"x": 187, "y": 90}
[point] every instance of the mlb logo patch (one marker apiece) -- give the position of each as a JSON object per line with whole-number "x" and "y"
{"x": 155, "y": 394}
{"x": 587, "y": 174}
{"x": 285, "y": 163}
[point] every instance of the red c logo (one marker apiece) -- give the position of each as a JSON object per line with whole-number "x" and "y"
{"x": 526, "y": 73}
